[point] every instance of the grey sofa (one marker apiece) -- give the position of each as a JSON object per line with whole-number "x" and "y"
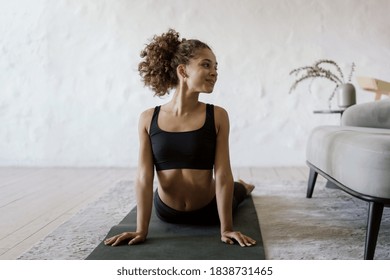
{"x": 355, "y": 157}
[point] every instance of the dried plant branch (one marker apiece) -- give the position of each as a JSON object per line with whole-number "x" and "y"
{"x": 351, "y": 73}
{"x": 317, "y": 71}
{"x": 296, "y": 71}
{"x": 331, "y": 62}
{"x": 332, "y": 95}
{"x": 313, "y": 75}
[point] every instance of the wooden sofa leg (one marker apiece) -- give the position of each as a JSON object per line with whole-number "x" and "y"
{"x": 311, "y": 183}
{"x": 375, "y": 212}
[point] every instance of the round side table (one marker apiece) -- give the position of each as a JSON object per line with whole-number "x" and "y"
{"x": 329, "y": 112}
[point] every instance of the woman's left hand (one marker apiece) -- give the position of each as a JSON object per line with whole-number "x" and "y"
{"x": 244, "y": 241}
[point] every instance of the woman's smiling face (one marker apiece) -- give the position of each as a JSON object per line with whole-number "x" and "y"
{"x": 202, "y": 72}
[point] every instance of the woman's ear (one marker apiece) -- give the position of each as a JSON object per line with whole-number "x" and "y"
{"x": 181, "y": 71}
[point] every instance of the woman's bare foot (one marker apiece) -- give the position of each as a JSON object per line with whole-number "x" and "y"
{"x": 249, "y": 187}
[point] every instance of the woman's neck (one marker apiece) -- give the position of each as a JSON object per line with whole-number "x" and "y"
{"x": 183, "y": 103}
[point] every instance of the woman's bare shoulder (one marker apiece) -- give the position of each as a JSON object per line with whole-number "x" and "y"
{"x": 220, "y": 113}
{"x": 146, "y": 117}
{"x": 147, "y": 113}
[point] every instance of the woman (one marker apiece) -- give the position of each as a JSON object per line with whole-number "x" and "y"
{"x": 185, "y": 140}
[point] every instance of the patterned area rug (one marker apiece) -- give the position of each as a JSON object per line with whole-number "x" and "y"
{"x": 76, "y": 238}
{"x": 331, "y": 225}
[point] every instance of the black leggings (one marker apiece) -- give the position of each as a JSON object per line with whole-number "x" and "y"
{"x": 206, "y": 215}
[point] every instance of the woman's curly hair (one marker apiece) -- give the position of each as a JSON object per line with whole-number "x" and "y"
{"x": 161, "y": 58}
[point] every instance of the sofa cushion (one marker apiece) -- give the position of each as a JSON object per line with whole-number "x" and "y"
{"x": 357, "y": 157}
{"x": 370, "y": 114}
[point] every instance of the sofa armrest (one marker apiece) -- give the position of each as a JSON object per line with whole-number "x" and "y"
{"x": 371, "y": 114}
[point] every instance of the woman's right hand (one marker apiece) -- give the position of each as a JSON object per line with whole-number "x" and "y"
{"x": 133, "y": 237}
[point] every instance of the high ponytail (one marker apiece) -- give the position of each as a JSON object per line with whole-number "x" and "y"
{"x": 161, "y": 58}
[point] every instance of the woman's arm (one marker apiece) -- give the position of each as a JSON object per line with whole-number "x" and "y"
{"x": 224, "y": 182}
{"x": 145, "y": 175}
{"x": 223, "y": 174}
{"x": 143, "y": 186}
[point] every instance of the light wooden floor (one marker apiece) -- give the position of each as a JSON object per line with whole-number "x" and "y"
{"x": 35, "y": 201}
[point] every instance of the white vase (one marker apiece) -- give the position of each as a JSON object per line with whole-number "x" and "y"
{"x": 346, "y": 95}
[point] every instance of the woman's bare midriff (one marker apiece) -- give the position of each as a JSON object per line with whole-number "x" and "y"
{"x": 186, "y": 189}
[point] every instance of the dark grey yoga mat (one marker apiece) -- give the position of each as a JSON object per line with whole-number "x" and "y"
{"x": 185, "y": 242}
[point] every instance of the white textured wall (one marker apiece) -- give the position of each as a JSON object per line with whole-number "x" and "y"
{"x": 70, "y": 94}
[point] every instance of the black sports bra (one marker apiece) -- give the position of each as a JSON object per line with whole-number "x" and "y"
{"x": 184, "y": 150}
